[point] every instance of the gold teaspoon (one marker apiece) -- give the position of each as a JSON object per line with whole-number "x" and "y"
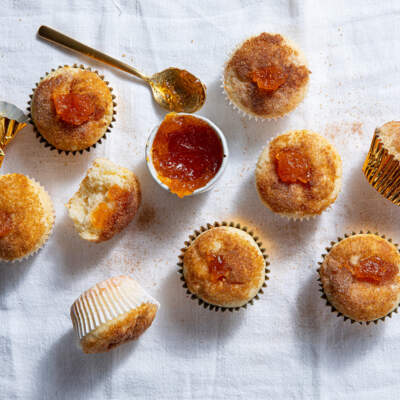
{"x": 173, "y": 89}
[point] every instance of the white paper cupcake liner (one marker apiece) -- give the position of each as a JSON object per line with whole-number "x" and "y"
{"x": 105, "y": 301}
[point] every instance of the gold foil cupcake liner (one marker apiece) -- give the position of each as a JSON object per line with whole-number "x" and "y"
{"x": 321, "y": 288}
{"x": 73, "y": 152}
{"x": 12, "y": 120}
{"x": 46, "y": 237}
{"x": 382, "y": 170}
{"x": 193, "y": 237}
{"x": 106, "y": 301}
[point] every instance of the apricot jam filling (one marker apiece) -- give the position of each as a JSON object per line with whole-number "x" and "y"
{"x": 373, "y": 270}
{"x": 75, "y": 108}
{"x": 217, "y": 267}
{"x": 187, "y": 153}
{"x": 6, "y": 223}
{"x": 292, "y": 166}
{"x": 269, "y": 78}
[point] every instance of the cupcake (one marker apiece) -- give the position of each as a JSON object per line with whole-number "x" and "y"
{"x": 382, "y": 165}
{"x": 26, "y": 217}
{"x": 112, "y": 312}
{"x": 224, "y": 266}
{"x": 360, "y": 277}
{"x": 266, "y": 77}
{"x": 298, "y": 174}
{"x": 106, "y": 202}
{"x": 72, "y": 108}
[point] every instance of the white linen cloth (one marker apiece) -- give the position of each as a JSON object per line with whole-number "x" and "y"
{"x": 288, "y": 345}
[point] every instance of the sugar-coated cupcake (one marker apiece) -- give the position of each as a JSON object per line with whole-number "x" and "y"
{"x": 382, "y": 165}
{"x": 72, "y": 108}
{"x": 112, "y": 312}
{"x": 106, "y": 202}
{"x": 360, "y": 277}
{"x": 298, "y": 174}
{"x": 26, "y": 217}
{"x": 224, "y": 266}
{"x": 267, "y": 76}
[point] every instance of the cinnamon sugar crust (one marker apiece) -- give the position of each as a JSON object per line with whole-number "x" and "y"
{"x": 266, "y": 50}
{"x": 242, "y": 263}
{"x": 390, "y": 136}
{"x": 360, "y": 300}
{"x": 299, "y": 200}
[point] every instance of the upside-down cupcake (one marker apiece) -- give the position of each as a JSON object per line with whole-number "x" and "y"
{"x": 106, "y": 202}
{"x": 224, "y": 266}
{"x": 267, "y": 76}
{"x": 382, "y": 165}
{"x": 298, "y": 174}
{"x": 112, "y": 312}
{"x": 26, "y": 217}
{"x": 72, "y": 108}
{"x": 360, "y": 277}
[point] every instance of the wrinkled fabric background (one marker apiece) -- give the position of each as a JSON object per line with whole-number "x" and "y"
{"x": 288, "y": 345}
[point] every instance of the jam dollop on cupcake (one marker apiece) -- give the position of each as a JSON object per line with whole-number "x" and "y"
{"x": 298, "y": 174}
{"x": 360, "y": 277}
{"x": 26, "y": 217}
{"x": 224, "y": 266}
{"x": 72, "y": 108}
{"x": 267, "y": 76}
{"x": 186, "y": 153}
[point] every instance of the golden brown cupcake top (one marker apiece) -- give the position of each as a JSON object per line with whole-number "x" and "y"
{"x": 390, "y": 135}
{"x": 72, "y": 108}
{"x": 360, "y": 277}
{"x": 266, "y": 76}
{"x": 26, "y": 216}
{"x": 298, "y": 174}
{"x": 224, "y": 267}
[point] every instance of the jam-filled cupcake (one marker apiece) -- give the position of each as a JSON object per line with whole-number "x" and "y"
{"x": 72, "y": 108}
{"x": 267, "y": 76}
{"x": 298, "y": 174}
{"x": 382, "y": 165}
{"x": 26, "y": 217}
{"x": 360, "y": 277}
{"x": 112, "y": 312}
{"x": 224, "y": 266}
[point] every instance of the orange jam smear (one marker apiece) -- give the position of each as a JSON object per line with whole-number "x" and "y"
{"x": 74, "y": 108}
{"x": 187, "y": 153}
{"x": 292, "y": 166}
{"x": 217, "y": 268}
{"x": 374, "y": 270}
{"x": 6, "y": 223}
{"x": 269, "y": 79}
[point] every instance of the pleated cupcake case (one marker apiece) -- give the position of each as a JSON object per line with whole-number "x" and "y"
{"x": 73, "y": 152}
{"x": 193, "y": 237}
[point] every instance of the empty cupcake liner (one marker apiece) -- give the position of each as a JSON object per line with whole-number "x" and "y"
{"x": 105, "y": 301}
{"x": 321, "y": 288}
{"x": 47, "y": 236}
{"x": 193, "y": 237}
{"x": 73, "y": 152}
{"x": 12, "y": 120}
{"x": 382, "y": 170}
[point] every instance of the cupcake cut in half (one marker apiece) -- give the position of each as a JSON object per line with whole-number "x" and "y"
{"x": 26, "y": 217}
{"x": 298, "y": 174}
{"x": 224, "y": 267}
{"x": 267, "y": 76}
{"x": 112, "y": 312}
{"x": 106, "y": 202}
{"x": 72, "y": 108}
{"x": 360, "y": 277}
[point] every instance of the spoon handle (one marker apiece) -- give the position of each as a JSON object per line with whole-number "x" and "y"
{"x": 57, "y": 37}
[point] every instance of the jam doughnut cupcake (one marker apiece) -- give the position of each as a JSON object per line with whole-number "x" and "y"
{"x": 72, "y": 108}
{"x": 26, "y": 217}
{"x": 266, "y": 77}
{"x": 360, "y": 277}
{"x": 224, "y": 266}
{"x": 298, "y": 174}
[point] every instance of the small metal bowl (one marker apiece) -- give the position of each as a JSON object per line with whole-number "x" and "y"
{"x": 210, "y": 184}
